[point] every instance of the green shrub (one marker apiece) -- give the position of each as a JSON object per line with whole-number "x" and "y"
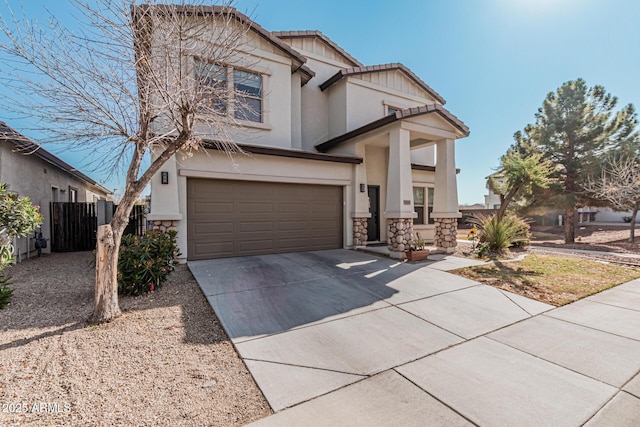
{"x": 5, "y": 292}
{"x": 497, "y": 236}
{"x": 145, "y": 261}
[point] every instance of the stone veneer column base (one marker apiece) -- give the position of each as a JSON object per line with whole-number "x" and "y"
{"x": 446, "y": 233}
{"x": 360, "y": 234}
{"x": 399, "y": 236}
{"x": 165, "y": 225}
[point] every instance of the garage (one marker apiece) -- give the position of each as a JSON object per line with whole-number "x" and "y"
{"x": 227, "y": 218}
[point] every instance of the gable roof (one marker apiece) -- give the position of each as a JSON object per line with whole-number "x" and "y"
{"x": 25, "y": 146}
{"x": 297, "y": 57}
{"x": 319, "y": 35}
{"x": 378, "y": 68}
{"x": 391, "y": 118}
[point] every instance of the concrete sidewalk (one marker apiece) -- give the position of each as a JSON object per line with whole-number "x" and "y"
{"x": 346, "y": 338}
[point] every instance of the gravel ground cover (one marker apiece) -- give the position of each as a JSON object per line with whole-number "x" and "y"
{"x": 165, "y": 361}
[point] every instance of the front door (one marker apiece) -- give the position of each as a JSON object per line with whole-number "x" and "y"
{"x": 373, "y": 223}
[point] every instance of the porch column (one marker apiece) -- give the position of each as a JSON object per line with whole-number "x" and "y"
{"x": 361, "y": 200}
{"x": 445, "y": 196}
{"x": 399, "y": 211}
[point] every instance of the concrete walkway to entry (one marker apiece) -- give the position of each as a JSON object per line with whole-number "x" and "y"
{"x": 348, "y": 338}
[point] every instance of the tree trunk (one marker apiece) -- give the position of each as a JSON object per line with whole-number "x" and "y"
{"x": 632, "y": 229}
{"x": 569, "y": 227}
{"x": 105, "y": 305}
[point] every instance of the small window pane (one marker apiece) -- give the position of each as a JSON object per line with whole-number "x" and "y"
{"x": 430, "y": 205}
{"x": 248, "y": 109}
{"x": 418, "y": 196}
{"x": 246, "y": 83}
{"x": 391, "y": 110}
{"x": 212, "y": 81}
{"x": 420, "y": 211}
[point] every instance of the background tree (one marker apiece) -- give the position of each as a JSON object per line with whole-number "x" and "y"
{"x": 574, "y": 127}
{"x": 122, "y": 88}
{"x": 18, "y": 217}
{"x": 619, "y": 185}
{"x": 519, "y": 175}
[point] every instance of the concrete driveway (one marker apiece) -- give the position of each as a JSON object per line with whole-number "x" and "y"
{"x": 346, "y": 338}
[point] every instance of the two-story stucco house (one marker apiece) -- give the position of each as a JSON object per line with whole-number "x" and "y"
{"x": 338, "y": 155}
{"x": 31, "y": 171}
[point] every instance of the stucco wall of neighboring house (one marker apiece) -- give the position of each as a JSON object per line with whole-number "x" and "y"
{"x": 216, "y": 165}
{"x": 492, "y": 200}
{"x": 609, "y": 215}
{"x": 424, "y": 179}
{"x": 376, "y": 160}
{"x": 32, "y": 177}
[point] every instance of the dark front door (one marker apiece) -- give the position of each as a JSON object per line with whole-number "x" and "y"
{"x": 373, "y": 223}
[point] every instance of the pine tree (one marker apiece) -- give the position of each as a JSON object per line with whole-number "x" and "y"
{"x": 574, "y": 127}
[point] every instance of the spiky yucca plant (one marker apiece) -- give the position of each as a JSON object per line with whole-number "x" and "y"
{"x": 497, "y": 235}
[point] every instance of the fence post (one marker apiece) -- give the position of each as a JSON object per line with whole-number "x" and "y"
{"x": 104, "y": 212}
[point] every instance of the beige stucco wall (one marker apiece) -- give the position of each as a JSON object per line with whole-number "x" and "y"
{"x": 255, "y": 55}
{"x": 363, "y": 102}
{"x": 32, "y": 177}
{"x": 216, "y": 165}
{"x": 315, "y": 103}
{"x": 376, "y": 159}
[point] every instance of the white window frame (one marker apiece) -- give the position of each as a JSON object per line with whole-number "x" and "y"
{"x": 428, "y": 220}
{"x": 230, "y": 86}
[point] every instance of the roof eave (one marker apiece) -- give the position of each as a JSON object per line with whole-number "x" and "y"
{"x": 398, "y": 116}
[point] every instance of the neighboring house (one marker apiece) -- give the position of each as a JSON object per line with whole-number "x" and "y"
{"x": 340, "y": 155}
{"x": 547, "y": 215}
{"x": 491, "y": 199}
{"x": 31, "y": 171}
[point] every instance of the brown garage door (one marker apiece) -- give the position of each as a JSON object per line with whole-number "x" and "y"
{"x": 237, "y": 218}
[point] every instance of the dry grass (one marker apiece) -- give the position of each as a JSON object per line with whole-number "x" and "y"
{"x": 551, "y": 279}
{"x": 165, "y": 361}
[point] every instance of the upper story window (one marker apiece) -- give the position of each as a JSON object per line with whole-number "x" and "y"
{"x": 391, "y": 110}
{"x": 244, "y": 101}
{"x": 248, "y": 99}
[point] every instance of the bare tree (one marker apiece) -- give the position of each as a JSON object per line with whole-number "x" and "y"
{"x": 619, "y": 186}
{"x": 133, "y": 86}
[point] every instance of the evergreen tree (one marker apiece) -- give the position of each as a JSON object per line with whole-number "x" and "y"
{"x": 574, "y": 127}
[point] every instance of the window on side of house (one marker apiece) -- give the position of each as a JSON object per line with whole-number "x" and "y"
{"x": 418, "y": 204}
{"x": 215, "y": 82}
{"x": 248, "y": 95}
{"x": 391, "y": 110}
{"x": 73, "y": 195}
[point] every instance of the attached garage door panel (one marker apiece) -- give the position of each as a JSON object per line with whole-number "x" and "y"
{"x": 237, "y": 218}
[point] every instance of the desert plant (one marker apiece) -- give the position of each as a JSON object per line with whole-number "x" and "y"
{"x": 18, "y": 217}
{"x": 5, "y": 292}
{"x": 418, "y": 245}
{"x": 145, "y": 261}
{"x": 497, "y": 235}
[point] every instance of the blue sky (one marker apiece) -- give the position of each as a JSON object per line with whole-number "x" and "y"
{"x": 494, "y": 61}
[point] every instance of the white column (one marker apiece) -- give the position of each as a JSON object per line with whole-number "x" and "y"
{"x": 399, "y": 184}
{"x": 399, "y": 211}
{"x": 445, "y": 194}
